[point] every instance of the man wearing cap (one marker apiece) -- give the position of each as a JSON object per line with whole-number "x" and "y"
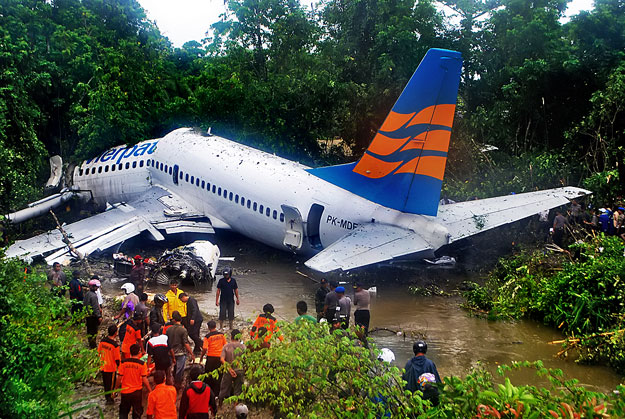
{"x": 362, "y": 299}
{"x": 137, "y": 274}
{"x": 330, "y": 302}
{"x": 320, "y": 297}
{"x": 227, "y": 290}
{"x": 94, "y": 318}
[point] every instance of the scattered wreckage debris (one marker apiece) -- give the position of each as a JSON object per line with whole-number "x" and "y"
{"x": 122, "y": 265}
{"x": 443, "y": 261}
{"x": 194, "y": 263}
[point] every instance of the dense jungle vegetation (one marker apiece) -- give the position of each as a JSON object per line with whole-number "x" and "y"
{"x": 79, "y": 76}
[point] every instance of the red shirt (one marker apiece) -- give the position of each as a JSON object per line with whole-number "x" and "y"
{"x": 162, "y": 402}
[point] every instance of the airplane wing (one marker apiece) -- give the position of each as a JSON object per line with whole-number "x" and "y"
{"x": 367, "y": 244}
{"x": 465, "y": 219}
{"x": 158, "y": 212}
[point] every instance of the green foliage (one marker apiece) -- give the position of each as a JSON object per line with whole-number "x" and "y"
{"x": 41, "y": 351}
{"x": 317, "y": 374}
{"x": 583, "y": 297}
{"x": 480, "y": 395}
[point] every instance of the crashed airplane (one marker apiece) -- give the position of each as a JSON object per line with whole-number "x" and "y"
{"x": 383, "y": 207}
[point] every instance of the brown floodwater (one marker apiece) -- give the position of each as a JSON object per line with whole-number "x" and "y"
{"x": 456, "y": 340}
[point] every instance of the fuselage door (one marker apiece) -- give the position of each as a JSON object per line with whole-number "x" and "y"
{"x": 175, "y": 174}
{"x": 293, "y": 228}
{"x": 312, "y": 226}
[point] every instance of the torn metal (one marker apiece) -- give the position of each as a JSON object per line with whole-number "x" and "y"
{"x": 194, "y": 263}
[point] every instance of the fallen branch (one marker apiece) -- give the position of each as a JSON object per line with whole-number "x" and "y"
{"x": 577, "y": 340}
{"x": 71, "y": 247}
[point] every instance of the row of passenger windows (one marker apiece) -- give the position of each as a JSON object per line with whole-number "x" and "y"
{"x": 254, "y": 206}
{"x": 110, "y": 167}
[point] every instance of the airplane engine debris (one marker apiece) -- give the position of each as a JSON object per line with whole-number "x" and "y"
{"x": 194, "y": 263}
{"x": 443, "y": 260}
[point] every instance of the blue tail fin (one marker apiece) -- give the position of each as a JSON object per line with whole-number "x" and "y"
{"x": 404, "y": 165}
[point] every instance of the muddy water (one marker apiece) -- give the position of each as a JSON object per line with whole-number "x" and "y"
{"x": 456, "y": 340}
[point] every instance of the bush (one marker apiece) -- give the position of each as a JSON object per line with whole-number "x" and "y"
{"x": 41, "y": 351}
{"x": 316, "y": 374}
{"x": 582, "y": 296}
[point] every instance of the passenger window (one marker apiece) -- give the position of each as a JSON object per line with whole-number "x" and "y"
{"x": 197, "y": 181}
{"x": 255, "y": 206}
{"x": 281, "y": 217}
{"x": 170, "y": 170}
{"x": 249, "y": 203}
{"x": 267, "y": 212}
{"x": 260, "y": 209}
{"x": 202, "y": 185}
{"x": 120, "y": 166}
{"x": 134, "y": 164}
{"x": 79, "y": 172}
{"x": 275, "y": 214}
{"x": 236, "y": 199}
{"x": 181, "y": 175}
{"x": 214, "y": 188}
{"x": 106, "y": 168}
{"x": 192, "y": 180}
{"x": 186, "y": 177}
{"x": 141, "y": 163}
{"x": 127, "y": 166}
{"x": 100, "y": 169}
{"x": 113, "y": 167}
{"x": 225, "y": 194}
{"x": 208, "y": 186}
{"x": 230, "y": 196}
{"x": 219, "y": 191}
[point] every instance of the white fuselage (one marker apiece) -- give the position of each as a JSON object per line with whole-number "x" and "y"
{"x": 260, "y": 195}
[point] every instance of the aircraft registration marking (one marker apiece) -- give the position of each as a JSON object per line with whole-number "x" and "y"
{"x": 341, "y": 223}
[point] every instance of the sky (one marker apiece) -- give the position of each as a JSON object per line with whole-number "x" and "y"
{"x": 188, "y": 20}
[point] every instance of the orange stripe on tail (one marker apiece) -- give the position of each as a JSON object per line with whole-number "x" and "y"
{"x": 443, "y": 115}
{"x": 395, "y": 121}
{"x": 383, "y": 145}
{"x": 374, "y": 168}
{"x": 433, "y": 166}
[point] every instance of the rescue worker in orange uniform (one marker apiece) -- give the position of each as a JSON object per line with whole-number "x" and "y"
{"x": 214, "y": 342}
{"x": 108, "y": 349}
{"x": 267, "y": 321}
{"x": 133, "y": 334}
{"x": 131, "y": 377}
{"x": 162, "y": 400}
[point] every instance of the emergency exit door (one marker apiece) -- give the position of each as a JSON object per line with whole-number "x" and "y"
{"x": 293, "y": 228}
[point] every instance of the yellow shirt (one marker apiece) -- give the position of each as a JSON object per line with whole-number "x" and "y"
{"x": 174, "y": 304}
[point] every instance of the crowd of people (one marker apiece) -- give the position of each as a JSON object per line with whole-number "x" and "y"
{"x": 161, "y": 342}
{"x": 609, "y": 220}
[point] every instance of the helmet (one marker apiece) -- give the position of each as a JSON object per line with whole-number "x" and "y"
{"x": 420, "y": 347}
{"x": 160, "y": 299}
{"x": 386, "y": 355}
{"x": 94, "y": 282}
{"x": 128, "y": 287}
